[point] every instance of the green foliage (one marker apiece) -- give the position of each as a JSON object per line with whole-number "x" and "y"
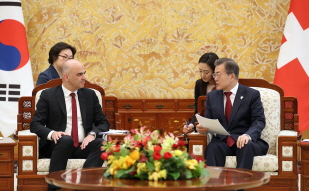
{"x": 124, "y": 173}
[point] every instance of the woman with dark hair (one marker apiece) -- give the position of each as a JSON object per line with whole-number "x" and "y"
{"x": 58, "y": 54}
{"x": 203, "y": 85}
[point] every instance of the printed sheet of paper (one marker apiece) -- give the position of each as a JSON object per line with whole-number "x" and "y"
{"x": 114, "y": 132}
{"x": 213, "y": 125}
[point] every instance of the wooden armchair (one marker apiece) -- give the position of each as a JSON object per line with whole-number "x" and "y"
{"x": 281, "y": 133}
{"x": 31, "y": 169}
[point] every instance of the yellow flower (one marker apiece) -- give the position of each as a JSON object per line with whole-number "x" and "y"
{"x": 115, "y": 164}
{"x": 157, "y": 165}
{"x": 123, "y": 162}
{"x": 141, "y": 167}
{"x": 163, "y": 173}
{"x": 156, "y": 175}
{"x": 135, "y": 155}
{"x": 153, "y": 176}
{"x": 112, "y": 171}
{"x": 130, "y": 161}
{"x": 110, "y": 159}
{"x": 178, "y": 153}
{"x": 191, "y": 164}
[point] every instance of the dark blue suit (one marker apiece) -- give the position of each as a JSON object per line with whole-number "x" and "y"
{"x": 247, "y": 117}
{"x": 49, "y": 74}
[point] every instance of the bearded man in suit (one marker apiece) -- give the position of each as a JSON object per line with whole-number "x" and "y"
{"x": 244, "y": 120}
{"x": 68, "y": 120}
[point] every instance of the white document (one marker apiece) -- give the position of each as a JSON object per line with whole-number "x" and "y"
{"x": 114, "y": 132}
{"x": 213, "y": 125}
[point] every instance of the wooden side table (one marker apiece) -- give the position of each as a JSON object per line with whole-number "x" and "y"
{"x": 304, "y": 146}
{"x": 7, "y": 164}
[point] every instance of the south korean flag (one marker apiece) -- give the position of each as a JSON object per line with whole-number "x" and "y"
{"x": 15, "y": 69}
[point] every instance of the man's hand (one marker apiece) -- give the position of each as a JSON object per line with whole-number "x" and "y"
{"x": 86, "y": 141}
{"x": 201, "y": 129}
{"x": 56, "y": 135}
{"x": 187, "y": 128}
{"x": 242, "y": 140}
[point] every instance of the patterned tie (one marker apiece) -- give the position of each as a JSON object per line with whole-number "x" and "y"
{"x": 228, "y": 109}
{"x": 74, "y": 132}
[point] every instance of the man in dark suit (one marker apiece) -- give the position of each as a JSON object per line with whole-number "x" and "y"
{"x": 244, "y": 120}
{"x": 68, "y": 121}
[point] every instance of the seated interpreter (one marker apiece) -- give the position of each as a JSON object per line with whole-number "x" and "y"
{"x": 203, "y": 85}
{"x": 58, "y": 54}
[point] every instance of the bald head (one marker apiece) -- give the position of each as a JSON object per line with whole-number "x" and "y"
{"x": 69, "y": 64}
{"x": 73, "y": 75}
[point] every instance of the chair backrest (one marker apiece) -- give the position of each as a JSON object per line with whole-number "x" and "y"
{"x": 27, "y": 105}
{"x": 97, "y": 89}
{"x": 280, "y": 111}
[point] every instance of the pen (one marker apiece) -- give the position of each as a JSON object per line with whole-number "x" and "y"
{"x": 187, "y": 123}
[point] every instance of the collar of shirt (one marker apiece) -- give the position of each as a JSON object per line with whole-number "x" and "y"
{"x": 233, "y": 95}
{"x": 67, "y": 92}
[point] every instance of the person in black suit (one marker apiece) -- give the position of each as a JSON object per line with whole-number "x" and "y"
{"x": 203, "y": 85}
{"x": 53, "y": 121}
{"x": 245, "y": 123}
{"x": 58, "y": 54}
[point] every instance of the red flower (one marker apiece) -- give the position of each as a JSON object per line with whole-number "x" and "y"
{"x": 167, "y": 155}
{"x": 104, "y": 156}
{"x": 143, "y": 158}
{"x": 157, "y": 148}
{"x": 146, "y": 139}
{"x": 116, "y": 148}
{"x": 181, "y": 143}
{"x": 139, "y": 144}
{"x": 156, "y": 155}
{"x": 175, "y": 146}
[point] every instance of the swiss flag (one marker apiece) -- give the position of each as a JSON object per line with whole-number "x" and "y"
{"x": 292, "y": 72}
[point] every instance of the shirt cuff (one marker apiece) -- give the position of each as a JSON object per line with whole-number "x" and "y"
{"x": 49, "y": 135}
{"x": 248, "y": 136}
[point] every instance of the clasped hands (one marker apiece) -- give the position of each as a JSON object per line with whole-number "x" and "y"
{"x": 240, "y": 143}
{"x": 56, "y": 135}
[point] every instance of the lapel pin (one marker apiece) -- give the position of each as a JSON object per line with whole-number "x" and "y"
{"x": 241, "y": 97}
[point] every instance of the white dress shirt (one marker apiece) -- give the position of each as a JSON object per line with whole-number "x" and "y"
{"x": 68, "y": 103}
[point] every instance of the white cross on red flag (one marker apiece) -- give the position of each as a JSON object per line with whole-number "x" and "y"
{"x": 292, "y": 72}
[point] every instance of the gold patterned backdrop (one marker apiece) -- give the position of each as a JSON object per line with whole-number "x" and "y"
{"x": 150, "y": 49}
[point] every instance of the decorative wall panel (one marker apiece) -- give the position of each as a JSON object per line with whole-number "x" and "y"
{"x": 150, "y": 49}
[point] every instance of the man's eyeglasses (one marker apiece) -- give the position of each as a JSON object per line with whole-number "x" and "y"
{"x": 65, "y": 57}
{"x": 216, "y": 75}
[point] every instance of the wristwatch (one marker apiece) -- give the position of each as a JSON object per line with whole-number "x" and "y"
{"x": 92, "y": 133}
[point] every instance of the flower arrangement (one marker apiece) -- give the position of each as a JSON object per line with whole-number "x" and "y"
{"x": 147, "y": 156}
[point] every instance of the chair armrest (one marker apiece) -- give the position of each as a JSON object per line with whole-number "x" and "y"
{"x": 27, "y": 153}
{"x": 287, "y": 133}
{"x": 287, "y": 153}
{"x": 197, "y": 144}
{"x": 25, "y": 132}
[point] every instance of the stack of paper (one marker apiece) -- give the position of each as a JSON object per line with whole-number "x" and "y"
{"x": 114, "y": 132}
{"x": 213, "y": 125}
